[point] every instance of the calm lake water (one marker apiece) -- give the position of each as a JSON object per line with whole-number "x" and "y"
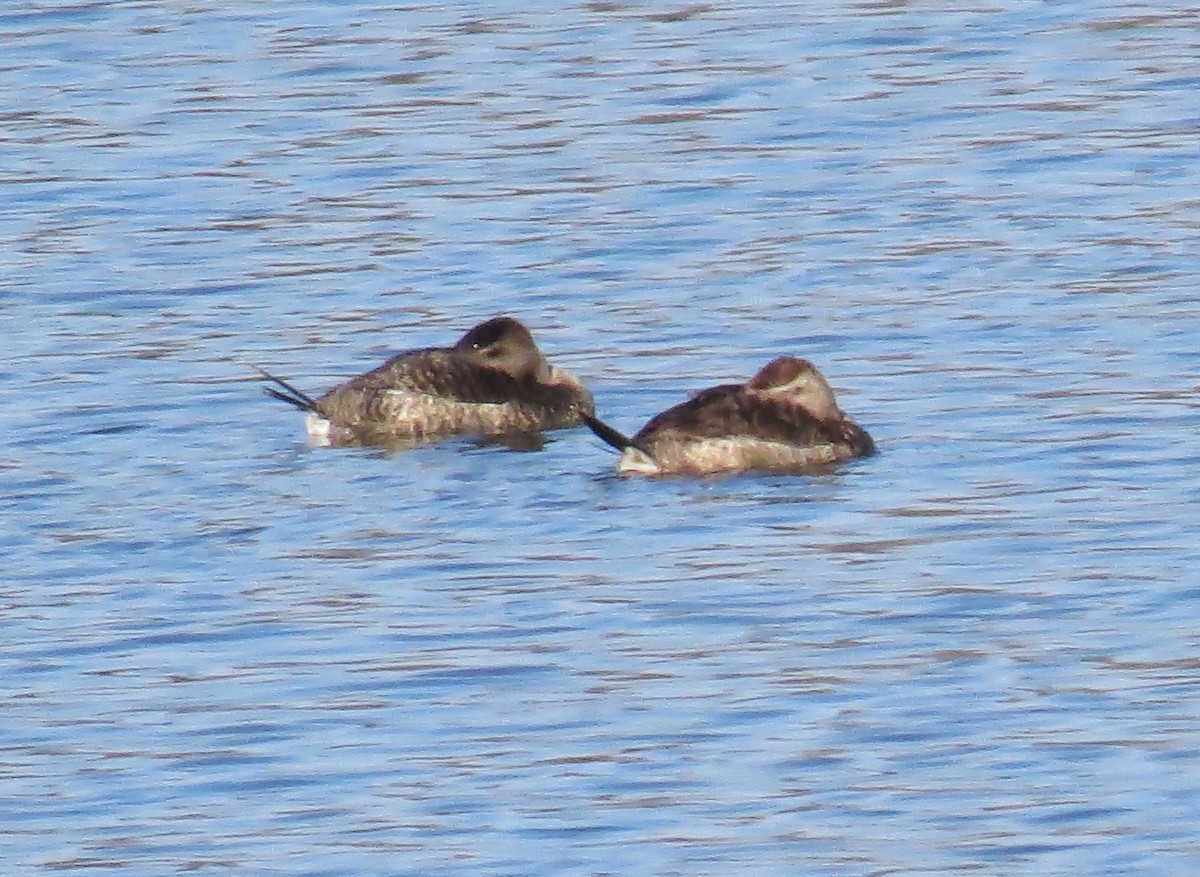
{"x": 226, "y": 651}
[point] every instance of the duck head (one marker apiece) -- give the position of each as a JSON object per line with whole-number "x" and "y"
{"x": 794, "y": 381}
{"x": 504, "y": 344}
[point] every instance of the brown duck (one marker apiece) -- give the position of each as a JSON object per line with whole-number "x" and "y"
{"x": 493, "y": 382}
{"x": 785, "y": 418}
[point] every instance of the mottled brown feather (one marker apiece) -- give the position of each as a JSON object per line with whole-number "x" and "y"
{"x": 728, "y": 410}
{"x": 767, "y": 423}
{"x": 493, "y": 381}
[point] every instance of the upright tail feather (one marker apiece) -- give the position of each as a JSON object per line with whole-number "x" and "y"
{"x": 606, "y": 433}
{"x": 288, "y": 393}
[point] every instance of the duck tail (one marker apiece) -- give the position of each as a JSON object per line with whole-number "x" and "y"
{"x": 286, "y": 392}
{"x": 606, "y": 433}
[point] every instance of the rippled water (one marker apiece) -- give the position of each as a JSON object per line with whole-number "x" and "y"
{"x": 974, "y": 653}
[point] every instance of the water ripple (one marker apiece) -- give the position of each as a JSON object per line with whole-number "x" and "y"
{"x": 227, "y": 649}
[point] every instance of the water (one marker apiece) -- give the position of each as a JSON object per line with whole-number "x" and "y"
{"x": 225, "y": 650}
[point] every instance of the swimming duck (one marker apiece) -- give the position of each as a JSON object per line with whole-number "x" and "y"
{"x": 493, "y": 382}
{"x": 784, "y": 418}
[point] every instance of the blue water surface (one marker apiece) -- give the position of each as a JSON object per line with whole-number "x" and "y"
{"x": 226, "y": 650}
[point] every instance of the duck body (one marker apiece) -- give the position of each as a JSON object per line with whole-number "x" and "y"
{"x": 784, "y": 419}
{"x": 492, "y": 382}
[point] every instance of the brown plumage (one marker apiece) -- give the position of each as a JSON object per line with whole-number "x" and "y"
{"x": 494, "y": 381}
{"x": 784, "y": 418}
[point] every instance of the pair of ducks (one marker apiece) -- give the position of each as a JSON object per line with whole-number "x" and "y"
{"x": 495, "y": 382}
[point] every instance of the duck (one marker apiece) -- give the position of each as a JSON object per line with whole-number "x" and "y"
{"x": 492, "y": 382}
{"x": 784, "y": 419}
